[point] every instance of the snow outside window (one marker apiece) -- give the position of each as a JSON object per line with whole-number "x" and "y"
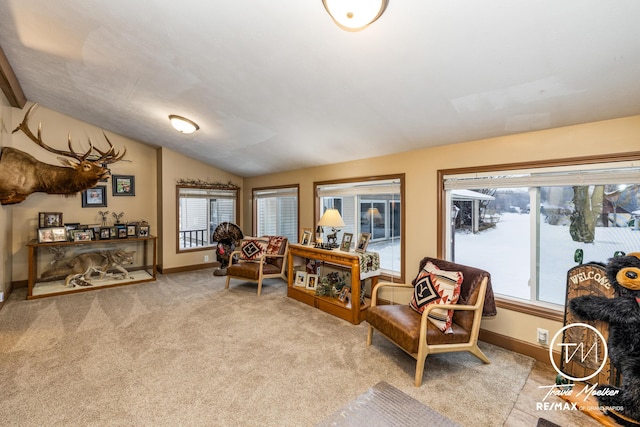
{"x": 525, "y": 227}
{"x": 369, "y": 206}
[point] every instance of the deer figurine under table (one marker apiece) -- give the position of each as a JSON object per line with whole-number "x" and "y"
{"x": 22, "y": 174}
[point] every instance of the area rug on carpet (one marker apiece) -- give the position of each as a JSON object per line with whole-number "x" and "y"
{"x": 385, "y": 406}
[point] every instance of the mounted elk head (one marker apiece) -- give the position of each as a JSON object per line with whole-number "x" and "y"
{"x": 22, "y": 174}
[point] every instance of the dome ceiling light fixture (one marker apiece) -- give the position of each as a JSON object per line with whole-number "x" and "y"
{"x": 182, "y": 124}
{"x": 355, "y": 15}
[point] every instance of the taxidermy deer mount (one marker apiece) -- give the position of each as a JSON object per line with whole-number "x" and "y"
{"x": 22, "y": 174}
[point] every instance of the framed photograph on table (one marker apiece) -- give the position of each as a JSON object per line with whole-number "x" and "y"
{"x": 123, "y": 185}
{"x": 59, "y": 234}
{"x": 301, "y": 278}
{"x": 143, "y": 231}
{"x": 105, "y": 233}
{"x": 311, "y": 282}
{"x": 305, "y": 236}
{"x": 45, "y": 235}
{"x": 49, "y": 219}
{"x": 363, "y": 242}
{"x": 95, "y": 197}
{"x": 132, "y": 229}
{"x": 345, "y": 246}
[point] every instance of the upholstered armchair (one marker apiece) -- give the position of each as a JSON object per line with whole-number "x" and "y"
{"x": 258, "y": 259}
{"x": 422, "y": 334}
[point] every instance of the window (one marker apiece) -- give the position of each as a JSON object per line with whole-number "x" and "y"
{"x": 369, "y": 206}
{"x": 525, "y": 226}
{"x": 200, "y": 210}
{"x": 276, "y": 212}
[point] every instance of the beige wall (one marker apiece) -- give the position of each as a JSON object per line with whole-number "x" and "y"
{"x": 173, "y": 167}
{"x": 5, "y": 211}
{"x": 140, "y": 162}
{"x": 421, "y": 166}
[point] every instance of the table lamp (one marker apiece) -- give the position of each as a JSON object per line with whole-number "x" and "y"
{"x": 331, "y": 218}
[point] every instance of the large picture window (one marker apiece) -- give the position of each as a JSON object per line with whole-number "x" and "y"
{"x": 525, "y": 226}
{"x": 200, "y": 210}
{"x": 276, "y": 212}
{"x": 369, "y": 206}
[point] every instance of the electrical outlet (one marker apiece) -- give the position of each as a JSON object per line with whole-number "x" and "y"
{"x": 206, "y": 258}
{"x": 543, "y": 336}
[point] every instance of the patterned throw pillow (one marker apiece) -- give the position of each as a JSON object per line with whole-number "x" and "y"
{"x": 435, "y": 286}
{"x": 252, "y": 248}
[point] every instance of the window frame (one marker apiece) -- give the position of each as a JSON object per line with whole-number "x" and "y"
{"x": 443, "y": 221}
{"x": 401, "y": 178}
{"x": 254, "y": 209}
{"x": 223, "y": 187}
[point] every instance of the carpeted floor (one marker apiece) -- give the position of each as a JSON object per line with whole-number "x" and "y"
{"x": 185, "y": 351}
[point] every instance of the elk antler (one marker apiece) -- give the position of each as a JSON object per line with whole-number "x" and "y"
{"x": 108, "y": 156}
{"x": 24, "y": 127}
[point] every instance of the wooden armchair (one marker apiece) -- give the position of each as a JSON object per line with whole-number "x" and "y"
{"x": 419, "y": 337}
{"x": 271, "y": 263}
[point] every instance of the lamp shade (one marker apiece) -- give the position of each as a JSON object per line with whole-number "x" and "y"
{"x": 182, "y": 124}
{"x": 331, "y": 218}
{"x": 355, "y": 15}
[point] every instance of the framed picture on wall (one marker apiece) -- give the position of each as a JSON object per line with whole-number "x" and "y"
{"x": 123, "y": 185}
{"x": 95, "y": 197}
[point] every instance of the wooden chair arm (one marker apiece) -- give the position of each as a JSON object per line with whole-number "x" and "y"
{"x": 380, "y": 285}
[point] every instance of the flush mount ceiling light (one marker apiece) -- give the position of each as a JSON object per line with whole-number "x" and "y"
{"x": 355, "y": 15}
{"x": 182, "y": 124}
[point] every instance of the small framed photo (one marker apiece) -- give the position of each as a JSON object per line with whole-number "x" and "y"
{"x": 132, "y": 229}
{"x": 59, "y": 234}
{"x": 82, "y": 235}
{"x": 114, "y": 232}
{"x": 363, "y": 242}
{"x": 305, "y": 236}
{"x": 301, "y": 279}
{"x": 143, "y": 231}
{"x": 344, "y": 294}
{"x": 123, "y": 185}
{"x": 345, "y": 246}
{"x": 311, "y": 281}
{"x": 122, "y": 231}
{"x": 95, "y": 197}
{"x": 49, "y": 219}
{"x": 105, "y": 233}
{"x": 45, "y": 235}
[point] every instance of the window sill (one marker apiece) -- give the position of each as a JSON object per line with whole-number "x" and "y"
{"x": 542, "y": 312}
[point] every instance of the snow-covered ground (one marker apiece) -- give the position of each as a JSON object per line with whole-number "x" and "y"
{"x": 505, "y": 252}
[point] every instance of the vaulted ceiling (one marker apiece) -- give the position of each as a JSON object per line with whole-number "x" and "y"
{"x": 278, "y": 86}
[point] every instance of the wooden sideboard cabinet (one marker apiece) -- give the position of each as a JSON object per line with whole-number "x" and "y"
{"x": 352, "y": 311}
{"x": 45, "y": 257}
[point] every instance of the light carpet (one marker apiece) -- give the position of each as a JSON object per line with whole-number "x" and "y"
{"x": 185, "y": 351}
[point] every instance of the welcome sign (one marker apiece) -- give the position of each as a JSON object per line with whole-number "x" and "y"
{"x": 580, "y": 354}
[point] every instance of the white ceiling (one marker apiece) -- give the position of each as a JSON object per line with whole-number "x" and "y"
{"x": 276, "y": 85}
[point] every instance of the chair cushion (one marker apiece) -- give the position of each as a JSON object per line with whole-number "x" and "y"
{"x": 435, "y": 286}
{"x": 253, "y": 248}
{"x": 401, "y": 324}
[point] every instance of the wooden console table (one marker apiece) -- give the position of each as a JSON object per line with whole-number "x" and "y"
{"x": 352, "y": 311}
